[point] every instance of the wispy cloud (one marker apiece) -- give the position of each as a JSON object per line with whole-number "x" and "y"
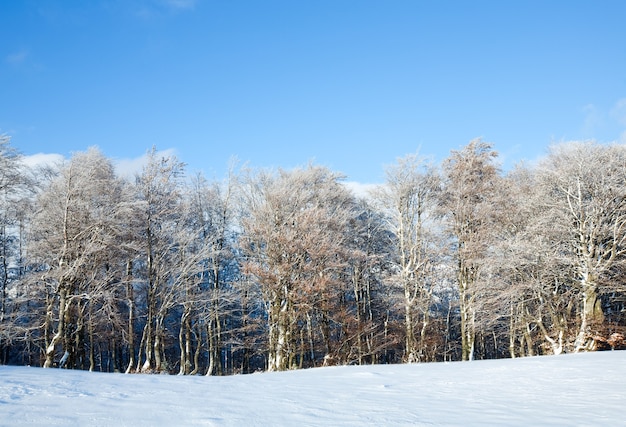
{"x": 618, "y": 112}
{"x": 17, "y": 58}
{"x": 605, "y": 123}
{"x": 593, "y": 119}
{"x": 180, "y": 4}
{"x": 156, "y": 8}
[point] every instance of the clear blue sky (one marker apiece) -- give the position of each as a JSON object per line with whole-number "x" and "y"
{"x": 349, "y": 84}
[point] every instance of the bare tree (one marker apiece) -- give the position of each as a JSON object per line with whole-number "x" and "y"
{"x": 370, "y": 250}
{"x": 15, "y": 192}
{"x": 583, "y": 186}
{"x": 528, "y": 300}
{"x": 408, "y": 200}
{"x": 159, "y": 191}
{"x": 471, "y": 180}
{"x": 213, "y": 218}
{"x": 72, "y": 234}
{"x": 294, "y": 239}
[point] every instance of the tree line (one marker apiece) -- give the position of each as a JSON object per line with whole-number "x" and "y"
{"x": 284, "y": 269}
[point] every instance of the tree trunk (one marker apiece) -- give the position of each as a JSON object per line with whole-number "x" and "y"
{"x": 421, "y": 351}
{"x": 147, "y": 337}
{"x": 160, "y": 364}
{"x": 196, "y": 356}
{"x": 556, "y": 345}
{"x": 591, "y": 315}
{"x": 92, "y": 361}
{"x": 410, "y": 341}
{"x": 130, "y": 298}
{"x": 467, "y": 320}
{"x": 530, "y": 350}
{"x": 279, "y": 334}
{"x": 183, "y": 369}
{"x": 3, "y": 293}
{"x": 214, "y": 331}
{"x": 211, "y": 343}
{"x": 184, "y": 342}
{"x": 60, "y": 333}
{"x": 512, "y": 333}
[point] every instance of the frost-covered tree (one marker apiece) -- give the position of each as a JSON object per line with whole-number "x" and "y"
{"x": 294, "y": 242}
{"x": 15, "y": 192}
{"x": 370, "y": 251}
{"x": 161, "y": 238}
{"x": 583, "y": 192}
{"x": 207, "y": 308}
{"x": 74, "y": 232}
{"x": 408, "y": 201}
{"x": 528, "y": 299}
{"x": 470, "y": 186}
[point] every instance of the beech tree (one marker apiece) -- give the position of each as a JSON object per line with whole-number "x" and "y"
{"x": 187, "y": 278}
{"x": 15, "y": 191}
{"x": 212, "y": 218}
{"x": 159, "y": 192}
{"x": 73, "y": 233}
{"x": 288, "y": 269}
{"x": 294, "y": 238}
{"x": 583, "y": 185}
{"x": 370, "y": 249}
{"x": 408, "y": 200}
{"x": 471, "y": 179}
{"x": 526, "y": 303}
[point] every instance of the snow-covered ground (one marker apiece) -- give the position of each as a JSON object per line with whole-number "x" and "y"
{"x": 578, "y": 389}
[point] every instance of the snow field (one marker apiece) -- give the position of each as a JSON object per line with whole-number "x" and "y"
{"x": 576, "y": 389}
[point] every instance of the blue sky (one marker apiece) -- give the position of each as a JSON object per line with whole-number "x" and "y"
{"x": 351, "y": 85}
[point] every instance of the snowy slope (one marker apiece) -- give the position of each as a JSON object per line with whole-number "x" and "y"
{"x": 579, "y": 389}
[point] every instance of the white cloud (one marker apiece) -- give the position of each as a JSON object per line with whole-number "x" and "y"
{"x": 128, "y": 168}
{"x": 125, "y": 168}
{"x": 43, "y": 160}
{"x": 359, "y": 189}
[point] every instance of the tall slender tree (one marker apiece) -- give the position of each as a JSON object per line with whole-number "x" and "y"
{"x": 408, "y": 199}
{"x": 15, "y": 191}
{"x": 159, "y": 191}
{"x": 471, "y": 182}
